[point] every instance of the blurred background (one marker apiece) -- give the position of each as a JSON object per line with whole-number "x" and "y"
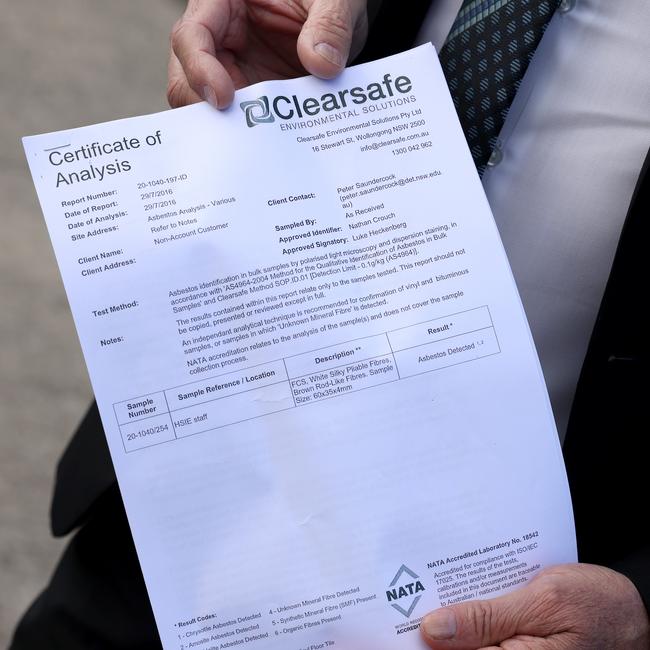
{"x": 63, "y": 64}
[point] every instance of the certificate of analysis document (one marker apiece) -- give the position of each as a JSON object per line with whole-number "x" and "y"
{"x": 319, "y": 389}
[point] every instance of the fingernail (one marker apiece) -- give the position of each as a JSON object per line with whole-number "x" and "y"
{"x": 440, "y": 625}
{"x": 330, "y": 53}
{"x": 210, "y": 96}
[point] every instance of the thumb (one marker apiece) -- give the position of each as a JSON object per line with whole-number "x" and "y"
{"x": 475, "y": 624}
{"x": 333, "y": 29}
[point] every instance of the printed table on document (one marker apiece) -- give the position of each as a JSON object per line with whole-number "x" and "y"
{"x": 305, "y": 378}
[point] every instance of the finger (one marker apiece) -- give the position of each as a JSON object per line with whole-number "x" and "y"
{"x": 479, "y": 623}
{"x": 532, "y": 643}
{"x": 179, "y": 92}
{"x": 327, "y": 36}
{"x": 559, "y": 642}
{"x": 193, "y": 45}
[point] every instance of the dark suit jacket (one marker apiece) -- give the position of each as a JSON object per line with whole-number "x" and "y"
{"x": 608, "y": 441}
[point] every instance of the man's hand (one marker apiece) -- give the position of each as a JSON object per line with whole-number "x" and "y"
{"x": 221, "y": 45}
{"x": 567, "y": 607}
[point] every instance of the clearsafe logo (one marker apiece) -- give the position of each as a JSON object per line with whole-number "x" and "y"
{"x": 257, "y": 111}
{"x": 265, "y": 111}
{"x": 403, "y": 593}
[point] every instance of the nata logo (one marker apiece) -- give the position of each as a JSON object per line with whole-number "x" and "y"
{"x": 407, "y": 591}
{"x": 257, "y": 111}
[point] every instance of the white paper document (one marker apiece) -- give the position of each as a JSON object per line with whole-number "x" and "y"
{"x": 319, "y": 389}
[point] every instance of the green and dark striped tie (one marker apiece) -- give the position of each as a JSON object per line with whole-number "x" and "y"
{"x": 484, "y": 59}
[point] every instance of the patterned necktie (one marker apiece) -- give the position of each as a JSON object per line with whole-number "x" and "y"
{"x": 484, "y": 59}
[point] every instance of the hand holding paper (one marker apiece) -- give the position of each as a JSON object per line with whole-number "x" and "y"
{"x": 316, "y": 379}
{"x": 221, "y": 45}
{"x": 560, "y": 609}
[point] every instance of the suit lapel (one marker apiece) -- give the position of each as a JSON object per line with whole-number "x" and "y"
{"x": 607, "y": 445}
{"x": 394, "y": 29}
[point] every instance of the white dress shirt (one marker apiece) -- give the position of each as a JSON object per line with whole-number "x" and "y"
{"x": 570, "y": 153}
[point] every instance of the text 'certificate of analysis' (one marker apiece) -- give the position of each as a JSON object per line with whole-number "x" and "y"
{"x": 319, "y": 389}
